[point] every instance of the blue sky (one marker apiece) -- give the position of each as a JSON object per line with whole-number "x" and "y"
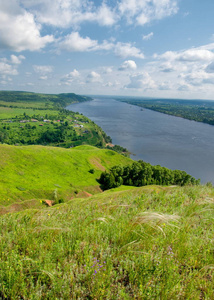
{"x": 156, "y": 48}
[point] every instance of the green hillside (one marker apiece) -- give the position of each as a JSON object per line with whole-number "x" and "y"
{"x": 139, "y": 243}
{"x": 38, "y": 172}
{"x": 14, "y": 98}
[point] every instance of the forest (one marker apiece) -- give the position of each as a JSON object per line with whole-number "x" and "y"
{"x": 141, "y": 173}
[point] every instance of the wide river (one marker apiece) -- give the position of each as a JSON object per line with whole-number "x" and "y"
{"x": 154, "y": 137}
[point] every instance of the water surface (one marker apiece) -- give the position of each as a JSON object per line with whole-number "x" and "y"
{"x": 154, "y": 137}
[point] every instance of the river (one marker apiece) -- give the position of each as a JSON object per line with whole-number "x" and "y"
{"x": 154, "y": 137}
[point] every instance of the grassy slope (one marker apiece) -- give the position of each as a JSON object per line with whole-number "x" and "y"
{"x": 143, "y": 243}
{"x": 30, "y": 172}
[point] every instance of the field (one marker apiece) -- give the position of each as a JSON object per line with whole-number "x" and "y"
{"x": 139, "y": 243}
{"x": 38, "y": 172}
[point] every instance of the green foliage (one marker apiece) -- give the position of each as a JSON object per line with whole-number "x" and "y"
{"x": 141, "y": 173}
{"x": 61, "y": 128}
{"x": 59, "y": 100}
{"x": 144, "y": 243}
{"x": 119, "y": 149}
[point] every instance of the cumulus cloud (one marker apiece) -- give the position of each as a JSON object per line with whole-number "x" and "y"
{"x": 127, "y": 50}
{"x": 70, "y": 77}
{"x": 7, "y": 69}
{"x": 128, "y": 65}
{"x": 146, "y": 11}
{"x": 105, "y": 16}
{"x": 141, "y": 81}
{"x": 188, "y": 69}
{"x": 107, "y": 70}
{"x": 19, "y": 30}
{"x": 17, "y": 59}
{"x": 66, "y": 13}
{"x": 198, "y": 78}
{"x": 75, "y": 43}
{"x": 190, "y": 55}
{"x": 93, "y": 77}
{"x": 148, "y": 36}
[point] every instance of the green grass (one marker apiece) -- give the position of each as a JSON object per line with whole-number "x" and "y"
{"x": 142, "y": 243}
{"x": 9, "y": 113}
{"x": 35, "y": 172}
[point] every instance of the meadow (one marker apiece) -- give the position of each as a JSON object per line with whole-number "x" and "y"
{"x": 40, "y": 172}
{"x": 129, "y": 243}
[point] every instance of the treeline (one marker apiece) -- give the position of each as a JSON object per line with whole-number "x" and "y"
{"x": 119, "y": 149}
{"x": 141, "y": 173}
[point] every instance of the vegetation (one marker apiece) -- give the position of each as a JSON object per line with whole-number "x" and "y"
{"x": 61, "y": 128}
{"x": 14, "y": 99}
{"x": 40, "y": 119}
{"x": 141, "y": 173}
{"x": 197, "y": 110}
{"x": 119, "y": 149}
{"x": 34, "y": 173}
{"x": 143, "y": 243}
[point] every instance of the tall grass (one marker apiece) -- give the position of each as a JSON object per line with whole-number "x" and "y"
{"x": 143, "y": 243}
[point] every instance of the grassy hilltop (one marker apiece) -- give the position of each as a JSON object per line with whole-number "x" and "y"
{"x": 138, "y": 243}
{"x": 38, "y": 172}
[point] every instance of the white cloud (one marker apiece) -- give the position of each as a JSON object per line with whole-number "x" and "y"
{"x": 43, "y": 69}
{"x": 194, "y": 67}
{"x": 198, "y": 78}
{"x": 141, "y": 81}
{"x": 17, "y": 59}
{"x": 18, "y": 29}
{"x": 43, "y": 77}
{"x": 74, "y": 42}
{"x": 105, "y": 16}
{"x": 66, "y": 13}
{"x": 145, "y": 11}
{"x": 70, "y": 77}
{"x": 127, "y": 50}
{"x": 107, "y": 70}
{"x": 93, "y": 77}
{"x": 148, "y": 36}
{"x": 6, "y": 69}
{"x": 128, "y": 65}
{"x": 190, "y": 55}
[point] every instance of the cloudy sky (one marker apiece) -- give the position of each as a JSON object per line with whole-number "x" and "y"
{"x": 157, "y": 48}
